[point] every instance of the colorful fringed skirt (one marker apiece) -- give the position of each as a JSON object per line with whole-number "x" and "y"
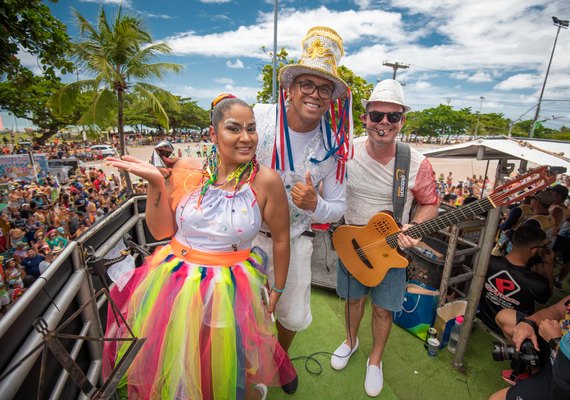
{"x": 206, "y": 328}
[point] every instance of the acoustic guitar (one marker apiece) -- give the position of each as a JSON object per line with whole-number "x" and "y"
{"x": 369, "y": 251}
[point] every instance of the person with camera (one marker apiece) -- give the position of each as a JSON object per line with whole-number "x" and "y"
{"x": 543, "y": 332}
{"x": 520, "y": 278}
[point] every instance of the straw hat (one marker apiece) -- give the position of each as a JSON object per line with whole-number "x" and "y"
{"x": 388, "y": 91}
{"x": 322, "y": 51}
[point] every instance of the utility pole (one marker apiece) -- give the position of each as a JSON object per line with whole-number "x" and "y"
{"x": 560, "y": 24}
{"x": 395, "y": 66}
{"x": 274, "y": 73}
{"x": 479, "y": 116}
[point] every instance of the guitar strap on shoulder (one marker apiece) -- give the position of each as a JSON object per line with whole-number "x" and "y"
{"x": 401, "y": 173}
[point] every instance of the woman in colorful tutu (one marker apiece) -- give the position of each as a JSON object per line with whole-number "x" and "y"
{"x": 201, "y": 301}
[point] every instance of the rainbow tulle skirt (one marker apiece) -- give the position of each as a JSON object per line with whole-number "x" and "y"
{"x": 206, "y": 328}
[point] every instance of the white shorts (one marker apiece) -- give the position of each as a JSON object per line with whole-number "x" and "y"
{"x": 293, "y": 309}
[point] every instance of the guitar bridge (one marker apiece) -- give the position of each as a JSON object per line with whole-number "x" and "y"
{"x": 361, "y": 254}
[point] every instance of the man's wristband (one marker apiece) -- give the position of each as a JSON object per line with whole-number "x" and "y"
{"x": 531, "y": 323}
{"x": 274, "y": 289}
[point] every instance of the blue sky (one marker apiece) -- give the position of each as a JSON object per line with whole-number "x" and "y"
{"x": 458, "y": 50}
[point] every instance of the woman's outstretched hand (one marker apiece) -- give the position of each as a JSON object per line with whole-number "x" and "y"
{"x": 142, "y": 169}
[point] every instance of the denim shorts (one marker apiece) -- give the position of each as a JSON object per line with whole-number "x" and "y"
{"x": 388, "y": 294}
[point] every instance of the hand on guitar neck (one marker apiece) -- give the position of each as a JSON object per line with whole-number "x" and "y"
{"x": 405, "y": 241}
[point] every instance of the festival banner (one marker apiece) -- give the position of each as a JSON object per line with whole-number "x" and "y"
{"x": 19, "y": 166}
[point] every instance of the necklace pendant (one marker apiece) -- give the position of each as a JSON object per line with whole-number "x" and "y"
{"x": 234, "y": 246}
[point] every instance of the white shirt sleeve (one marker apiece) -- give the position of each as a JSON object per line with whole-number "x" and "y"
{"x": 332, "y": 204}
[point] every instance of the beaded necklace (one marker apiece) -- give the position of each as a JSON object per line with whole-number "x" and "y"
{"x": 244, "y": 174}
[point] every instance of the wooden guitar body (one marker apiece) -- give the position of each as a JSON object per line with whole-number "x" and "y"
{"x": 369, "y": 251}
{"x": 367, "y": 258}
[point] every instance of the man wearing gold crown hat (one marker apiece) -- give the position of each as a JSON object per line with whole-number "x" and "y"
{"x": 306, "y": 139}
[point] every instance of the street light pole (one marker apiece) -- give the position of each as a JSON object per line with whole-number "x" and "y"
{"x": 479, "y": 116}
{"x": 274, "y": 76}
{"x": 560, "y": 24}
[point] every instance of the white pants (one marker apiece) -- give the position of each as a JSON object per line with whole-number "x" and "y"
{"x": 293, "y": 309}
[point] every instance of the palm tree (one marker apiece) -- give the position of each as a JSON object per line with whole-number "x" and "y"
{"x": 121, "y": 58}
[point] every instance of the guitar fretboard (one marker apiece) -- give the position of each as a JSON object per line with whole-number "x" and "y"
{"x": 443, "y": 221}
{"x": 512, "y": 191}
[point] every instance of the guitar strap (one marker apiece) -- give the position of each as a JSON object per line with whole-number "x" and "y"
{"x": 401, "y": 173}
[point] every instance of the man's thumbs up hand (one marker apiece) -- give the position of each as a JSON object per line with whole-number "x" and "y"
{"x": 304, "y": 195}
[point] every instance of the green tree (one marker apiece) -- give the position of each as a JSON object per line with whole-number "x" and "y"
{"x": 117, "y": 54}
{"x": 29, "y": 26}
{"x": 27, "y": 97}
{"x": 186, "y": 115}
{"x": 360, "y": 89}
{"x": 441, "y": 121}
{"x": 522, "y": 128}
{"x": 265, "y": 95}
{"x": 190, "y": 115}
{"x": 493, "y": 124}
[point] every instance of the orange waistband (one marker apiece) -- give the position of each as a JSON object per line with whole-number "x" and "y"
{"x": 210, "y": 257}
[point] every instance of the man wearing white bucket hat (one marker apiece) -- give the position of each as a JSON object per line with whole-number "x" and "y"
{"x": 371, "y": 180}
{"x": 306, "y": 139}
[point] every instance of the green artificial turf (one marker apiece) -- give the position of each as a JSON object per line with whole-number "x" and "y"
{"x": 409, "y": 373}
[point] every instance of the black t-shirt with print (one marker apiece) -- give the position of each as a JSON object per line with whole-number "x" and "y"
{"x": 510, "y": 286}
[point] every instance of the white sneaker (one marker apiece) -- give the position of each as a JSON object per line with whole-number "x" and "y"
{"x": 263, "y": 389}
{"x": 374, "y": 379}
{"x": 342, "y": 354}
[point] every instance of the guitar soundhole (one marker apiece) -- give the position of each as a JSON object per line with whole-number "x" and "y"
{"x": 383, "y": 227}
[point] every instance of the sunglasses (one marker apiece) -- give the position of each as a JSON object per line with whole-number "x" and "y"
{"x": 378, "y": 116}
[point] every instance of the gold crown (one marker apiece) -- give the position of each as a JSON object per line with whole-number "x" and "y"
{"x": 322, "y": 51}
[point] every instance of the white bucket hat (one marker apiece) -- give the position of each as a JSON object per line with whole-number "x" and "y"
{"x": 388, "y": 91}
{"x": 322, "y": 51}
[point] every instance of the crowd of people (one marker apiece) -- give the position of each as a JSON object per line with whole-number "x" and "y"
{"x": 58, "y": 149}
{"x": 40, "y": 218}
{"x": 222, "y": 302}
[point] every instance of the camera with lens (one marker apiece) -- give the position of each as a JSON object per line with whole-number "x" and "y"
{"x": 527, "y": 354}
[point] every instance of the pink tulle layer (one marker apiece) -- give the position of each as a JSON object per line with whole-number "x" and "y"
{"x": 207, "y": 331}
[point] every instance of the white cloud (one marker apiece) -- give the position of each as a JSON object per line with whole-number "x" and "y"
{"x": 519, "y": 81}
{"x": 29, "y": 61}
{"x": 362, "y": 4}
{"x": 227, "y": 81}
{"x": 353, "y": 26}
{"x": 504, "y": 44}
{"x": 422, "y": 85}
{"x": 159, "y": 16}
{"x": 237, "y": 64}
{"x": 206, "y": 95}
{"x": 460, "y": 75}
{"x": 124, "y": 3}
{"x": 480, "y": 77}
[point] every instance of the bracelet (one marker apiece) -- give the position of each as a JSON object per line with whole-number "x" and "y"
{"x": 274, "y": 289}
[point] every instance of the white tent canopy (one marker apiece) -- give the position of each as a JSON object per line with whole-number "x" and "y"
{"x": 540, "y": 152}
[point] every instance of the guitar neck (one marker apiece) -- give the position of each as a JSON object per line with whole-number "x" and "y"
{"x": 508, "y": 193}
{"x": 450, "y": 218}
